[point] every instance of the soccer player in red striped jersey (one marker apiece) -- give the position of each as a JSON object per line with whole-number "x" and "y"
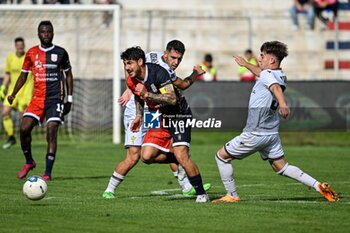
{"x": 47, "y": 62}
{"x": 151, "y": 83}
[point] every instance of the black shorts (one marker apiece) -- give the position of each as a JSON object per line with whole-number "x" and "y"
{"x": 180, "y": 131}
{"x": 40, "y": 109}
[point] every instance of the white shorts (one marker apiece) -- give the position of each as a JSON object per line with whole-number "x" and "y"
{"x": 132, "y": 138}
{"x": 269, "y": 146}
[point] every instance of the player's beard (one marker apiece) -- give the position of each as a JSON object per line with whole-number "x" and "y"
{"x": 46, "y": 42}
{"x": 138, "y": 73}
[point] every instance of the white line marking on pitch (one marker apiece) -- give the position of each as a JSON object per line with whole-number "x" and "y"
{"x": 164, "y": 191}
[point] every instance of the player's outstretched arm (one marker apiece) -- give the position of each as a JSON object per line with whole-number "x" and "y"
{"x": 242, "y": 62}
{"x": 19, "y": 84}
{"x": 283, "y": 110}
{"x": 183, "y": 84}
{"x": 69, "y": 84}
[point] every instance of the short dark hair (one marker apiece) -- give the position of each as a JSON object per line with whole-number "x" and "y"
{"x": 276, "y": 48}
{"x": 133, "y": 53}
{"x": 19, "y": 39}
{"x": 248, "y": 51}
{"x": 208, "y": 57}
{"x": 176, "y": 45}
{"x": 45, "y": 23}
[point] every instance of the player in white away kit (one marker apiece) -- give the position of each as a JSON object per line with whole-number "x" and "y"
{"x": 266, "y": 103}
{"x": 170, "y": 60}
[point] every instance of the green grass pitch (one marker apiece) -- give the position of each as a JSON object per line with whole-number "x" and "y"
{"x": 149, "y": 201}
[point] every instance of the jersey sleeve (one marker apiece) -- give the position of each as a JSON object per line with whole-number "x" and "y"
{"x": 65, "y": 61}
{"x": 130, "y": 85}
{"x": 27, "y": 64}
{"x": 8, "y": 64}
{"x": 267, "y": 78}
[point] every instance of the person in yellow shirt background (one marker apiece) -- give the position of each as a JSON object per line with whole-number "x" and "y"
{"x": 244, "y": 74}
{"x": 14, "y": 62}
{"x": 210, "y": 70}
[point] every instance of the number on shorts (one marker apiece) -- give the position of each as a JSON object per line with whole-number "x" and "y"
{"x": 60, "y": 107}
{"x": 179, "y": 128}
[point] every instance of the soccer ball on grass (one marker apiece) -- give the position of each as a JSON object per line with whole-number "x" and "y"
{"x": 34, "y": 188}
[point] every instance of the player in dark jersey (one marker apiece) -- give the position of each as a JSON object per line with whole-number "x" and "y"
{"x": 170, "y": 60}
{"x": 47, "y": 62}
{"x": 152, "y": 83}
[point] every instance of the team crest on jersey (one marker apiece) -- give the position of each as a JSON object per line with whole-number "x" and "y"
{"x": 54, "y": 57}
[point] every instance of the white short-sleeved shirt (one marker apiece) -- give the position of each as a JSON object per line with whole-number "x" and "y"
{"x": 263, "y": 118}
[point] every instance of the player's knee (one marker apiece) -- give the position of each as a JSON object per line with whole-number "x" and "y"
{"x": 223, "y": 155}
{"x": 146, "y": 158}
{"x": 280, "y": 169}
{"x": 279, "y": 165}
{"x": 52, "y": 127}
{"x": 133, "y": 159}
{"x": 221, "y": 159}
{"x": 133, "y": 152}
{"x": 51, "y": 133}
{"x": 24, "y": 130}
{"x": 181, "y": 151}
{"x": 5, "y": 114}
{"x": 182, "y": 155}
{"x": 182, "y": 158}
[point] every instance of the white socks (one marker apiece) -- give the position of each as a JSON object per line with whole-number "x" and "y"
{"x": 226, "y": 174}
{"x": 185, "y": 184}
{"x": 298, "y": 175}
{"x": 183, "y": 180}
{"x": 114, "y": 182}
